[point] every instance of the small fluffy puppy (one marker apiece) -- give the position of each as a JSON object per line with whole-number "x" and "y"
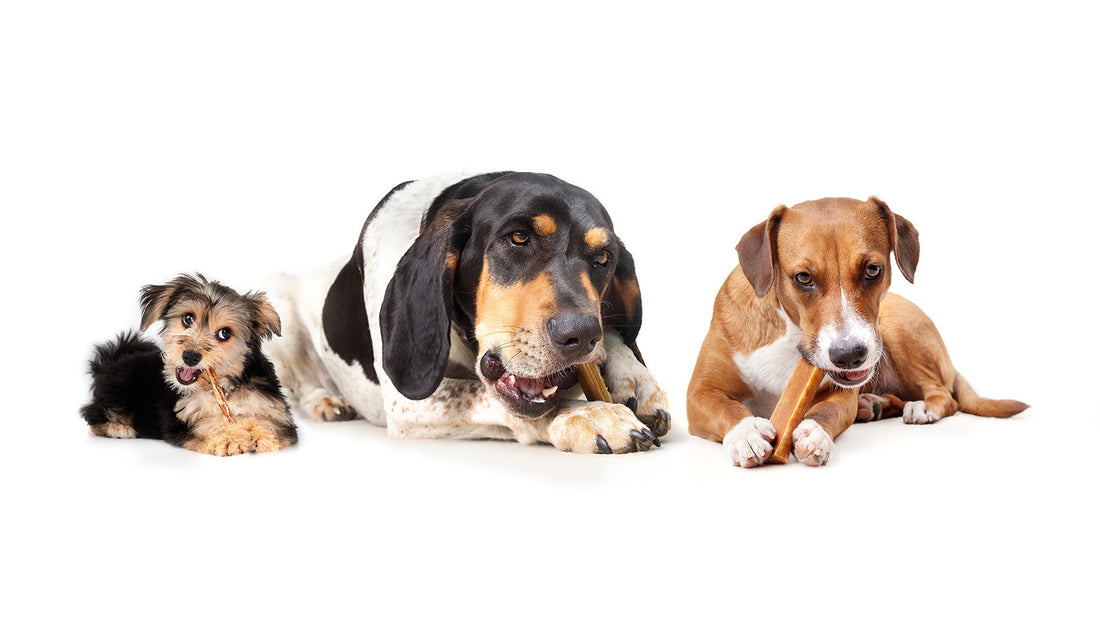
{"x": 142, "y": 391}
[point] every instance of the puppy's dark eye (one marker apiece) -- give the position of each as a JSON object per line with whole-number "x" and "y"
{"x": 188, "y": 320}
{"x": 223, "y": 334}
{"x": 602, "y": 261}
{"x": 804, "y": 279}
{"x": 520, "y": 237}
{"x": 872, "y": 271}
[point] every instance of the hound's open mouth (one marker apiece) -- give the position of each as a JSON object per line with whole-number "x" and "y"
{"x": 850, "y": 379}
{"x": 527, "y": 396}
{"x": 187, "y": 375}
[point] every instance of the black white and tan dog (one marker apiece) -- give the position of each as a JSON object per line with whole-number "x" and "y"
{"x": 812, "y": 283}
{"x": 463, "y": 311}
{"x": 142, "y": 391}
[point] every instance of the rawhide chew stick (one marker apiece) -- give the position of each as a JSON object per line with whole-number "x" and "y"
{"x": 797, "y": 397}
{"x": 219, "y": 395}
{"x": 588, "y": 374}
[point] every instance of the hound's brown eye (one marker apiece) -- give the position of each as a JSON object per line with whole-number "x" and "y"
{"x": 188, "y": 320}
{"x": 604, "y": 257}
{"x": 872, "y": 271}
{"x": 223, "y": 334}
{"x": 804, "y": 279}
{"x": 520, "y": 238}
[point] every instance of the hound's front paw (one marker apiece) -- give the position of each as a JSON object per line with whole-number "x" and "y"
{"x": 812, "y": 444}
{"x": 632, "y": 384}
{"x": 324, "y": 406}
{"x": 749, "y": 443}
{"x": 599, "y": 427}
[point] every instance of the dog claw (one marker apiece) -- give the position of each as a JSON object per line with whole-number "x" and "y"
{"x": 632, "y": 404}
{"x": 656, "y": 442}
{"x": 638, "y": 435}
{"x": 602, "y": 445}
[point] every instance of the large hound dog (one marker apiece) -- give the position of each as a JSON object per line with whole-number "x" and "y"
{"x": 463, "y": 311}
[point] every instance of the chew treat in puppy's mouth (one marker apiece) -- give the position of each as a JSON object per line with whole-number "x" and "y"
{"x": 796, "y": 400}
{"x": 526, "y": 395}
{"x": 219, "y": 395}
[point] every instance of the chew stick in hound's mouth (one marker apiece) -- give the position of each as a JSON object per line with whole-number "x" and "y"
{"x": 528, "y": 395}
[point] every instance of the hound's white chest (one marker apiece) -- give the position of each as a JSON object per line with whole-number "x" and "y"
{"x": 767, "y": 369}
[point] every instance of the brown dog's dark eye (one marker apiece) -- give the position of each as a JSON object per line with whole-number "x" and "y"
{"x": 872, "y": 271}
{"x": 603, "y": 259}
{"x": 188, "y": 320}
{"x": 804, "y": 279}
{"x": 223, "y": 334}
{"x": 520, "y": 238}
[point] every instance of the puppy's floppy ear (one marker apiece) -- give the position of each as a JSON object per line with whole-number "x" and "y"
{"x": 757, "y": 252}
{"x": 622, "y": 301}
{"x": 416, "y": 312}
{"x": 904, "y": 240}
{"x": 154, "y": 300}
{"x": 265, "y": 320}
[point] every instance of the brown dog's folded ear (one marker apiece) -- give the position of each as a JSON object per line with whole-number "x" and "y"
{"x": 621, "y": 308}
{"x": 265, "y": 320}
{"x": 904, "y": 240}
{"x": 757, "y": 252}
{"x": 416, "y": 312}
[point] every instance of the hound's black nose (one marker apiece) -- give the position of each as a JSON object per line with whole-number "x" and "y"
{"x": 847, "y": 354}
{"x": 192, "y": 357}
{"x": 574, "y": 334}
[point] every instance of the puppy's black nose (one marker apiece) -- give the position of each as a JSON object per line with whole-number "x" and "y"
{"x": 847, "y": 354}
{"x": 192, "y": 357}
{"x": 574, "y": 334}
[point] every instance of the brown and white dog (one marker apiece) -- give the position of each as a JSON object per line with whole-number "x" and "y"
{"x": 812, "y": 283}
{"x": 463, "y": 311}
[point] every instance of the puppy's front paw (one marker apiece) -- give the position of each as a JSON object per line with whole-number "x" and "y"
{"x": 599, "y": 427}
{"x": 230, "y": 441}
{"x": 812, "y": 444}
{"x": 267, "y": 438}
{"x": 918, "y": 412}
{"x": 749, "y": 443}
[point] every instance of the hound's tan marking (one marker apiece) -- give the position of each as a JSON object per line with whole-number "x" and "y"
{"x": 597, "y": 237}
{"x": 544, "y": 225}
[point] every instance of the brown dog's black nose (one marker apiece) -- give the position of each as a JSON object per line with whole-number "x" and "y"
{"x": 192, "y": 357}
{"x": 574, "y": 334}
{"x": 847, "y": 354}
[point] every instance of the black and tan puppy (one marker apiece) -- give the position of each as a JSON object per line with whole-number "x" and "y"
{"x": 142, "y": 391}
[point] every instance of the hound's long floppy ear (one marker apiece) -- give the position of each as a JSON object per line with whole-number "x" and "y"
{"x": 904, "y": 240}
{"x": 622, "y": 301}
{"x": 416, "y": 311}
{"x": 757, "y": 252}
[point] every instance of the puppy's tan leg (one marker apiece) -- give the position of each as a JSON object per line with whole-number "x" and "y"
{"x": 231, "y": 439}
{"x": 832, "y": 413}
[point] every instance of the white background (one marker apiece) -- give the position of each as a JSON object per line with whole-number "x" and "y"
{"x": 142, "y": 139}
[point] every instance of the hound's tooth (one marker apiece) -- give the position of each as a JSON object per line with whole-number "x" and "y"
{"x": 512, "y": 379}
{"x": 549, "y": 392}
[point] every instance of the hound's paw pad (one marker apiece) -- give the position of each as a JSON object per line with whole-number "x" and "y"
{"x": 333, "y": 408}
{"x": 749, "y": 443}
{"x": 918, "y": 412}
{"x": 230, "y": 442}
{"x": 812, "y": 444}
{"x": 601, "y": 428}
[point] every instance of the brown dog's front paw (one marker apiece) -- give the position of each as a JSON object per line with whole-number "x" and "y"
{"x": 812, "y": 444}
{"x": 749, "y": 443}
{"x": 601, "y": 428}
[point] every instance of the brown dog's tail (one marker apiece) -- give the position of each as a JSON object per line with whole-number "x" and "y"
{"x": 970, "y": 402}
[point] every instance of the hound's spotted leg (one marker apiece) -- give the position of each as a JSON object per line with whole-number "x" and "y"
{"x": 632, "y": 385}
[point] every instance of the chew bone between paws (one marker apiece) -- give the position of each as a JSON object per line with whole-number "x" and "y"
{"x": 797, "y": 398}
{"x": 588, "y": 374}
